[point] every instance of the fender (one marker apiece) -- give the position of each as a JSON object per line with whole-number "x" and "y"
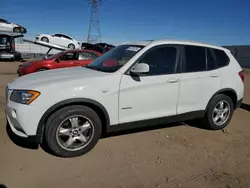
{"x": 52, "y": 109}
{"x": 223, "y": 91}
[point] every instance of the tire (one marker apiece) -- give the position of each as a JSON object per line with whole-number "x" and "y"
{"x": 41, "y": 69}
{"x": 16, "y": 30}
{"x": 214, "y": 108}
{"x": 71, "y": 46}
{"x": 45, "y": 39}
{"x": 57, "y": 144}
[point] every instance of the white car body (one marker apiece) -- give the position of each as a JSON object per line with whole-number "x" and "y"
{"x": 59, "y": 39}
{"x": 124, "y": 99}
{"x": 9, "y": 27}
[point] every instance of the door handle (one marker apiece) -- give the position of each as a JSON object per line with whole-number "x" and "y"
{"x": 173, "y": 80}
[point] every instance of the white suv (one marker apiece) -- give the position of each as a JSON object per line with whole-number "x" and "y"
{"x": 134, "y": 84}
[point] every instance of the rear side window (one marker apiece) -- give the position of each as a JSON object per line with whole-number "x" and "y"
{"x": 221, "y": 58}
{"x": 195, "y": 59}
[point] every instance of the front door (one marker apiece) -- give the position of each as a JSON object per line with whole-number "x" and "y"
{"x": 68, "y": 59}
{"x": 153, "y": 95}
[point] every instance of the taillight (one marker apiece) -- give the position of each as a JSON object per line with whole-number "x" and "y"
{"x": 242, "y": 76}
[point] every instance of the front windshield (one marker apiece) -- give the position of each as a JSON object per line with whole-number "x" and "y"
{"x": 114, "y": 59}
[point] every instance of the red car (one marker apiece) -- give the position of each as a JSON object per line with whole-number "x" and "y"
{"x": 70, "y": 58}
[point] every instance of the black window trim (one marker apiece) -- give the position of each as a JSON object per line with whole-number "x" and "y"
{"x": 214, "y": 60}
{"x": 177, "y": 62}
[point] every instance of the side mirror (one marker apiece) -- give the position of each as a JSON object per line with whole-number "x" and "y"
{"x": 140, "y": 68}
{"x": 57, "y": 60}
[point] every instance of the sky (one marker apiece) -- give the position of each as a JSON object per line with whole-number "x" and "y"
{"x": 220, "y": 22}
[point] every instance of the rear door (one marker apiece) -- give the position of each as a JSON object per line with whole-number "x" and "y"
{"x": 84, "y": 58}
{"x": 57, "y": 39}
{"x": 200, "y": 79}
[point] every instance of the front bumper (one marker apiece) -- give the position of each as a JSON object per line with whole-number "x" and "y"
{"x": 21, "y": 71}
{"x": 20, "y": 125}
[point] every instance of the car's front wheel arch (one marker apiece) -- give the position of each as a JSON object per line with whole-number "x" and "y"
{"x": 94, "y": 105}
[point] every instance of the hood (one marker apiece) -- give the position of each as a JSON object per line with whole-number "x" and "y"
{"x": 28, "y": 63}
{"x": 56, "y": 76}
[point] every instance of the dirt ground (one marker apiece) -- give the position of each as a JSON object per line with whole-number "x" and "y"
{"x": 178, "y": 155}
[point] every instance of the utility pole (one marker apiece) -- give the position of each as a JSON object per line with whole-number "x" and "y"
{"x": 94, "y": 34}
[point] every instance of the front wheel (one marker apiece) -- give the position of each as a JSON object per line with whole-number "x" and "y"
{"x": 41, "y": 69}
{"x": 71, "y": 46}
{"x": 219, "y": 112}
{"x": 45, "y": 39}
{"x": 72, "y": 131}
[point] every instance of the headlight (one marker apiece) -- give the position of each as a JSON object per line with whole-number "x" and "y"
{"x": 24, "y": 96}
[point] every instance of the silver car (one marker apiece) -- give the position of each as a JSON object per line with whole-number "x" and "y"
{"x": 11, "y": 27}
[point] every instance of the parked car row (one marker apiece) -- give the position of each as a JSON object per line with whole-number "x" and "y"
{"x": 99, "y": 47}
{"x": 134, "y": 84}
{"x": 69, "y": 58}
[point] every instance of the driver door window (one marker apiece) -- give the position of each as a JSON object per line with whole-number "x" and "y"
{"x": 161, "y": 61}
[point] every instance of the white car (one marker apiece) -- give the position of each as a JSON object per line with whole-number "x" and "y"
{"x": 11, "y": 27}
{"x": 135, "y": 84}
{"x": 59, "y": 39}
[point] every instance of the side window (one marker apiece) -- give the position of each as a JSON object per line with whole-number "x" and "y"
{"x": 68, "y": 56}
{"x": 85, "y": 56}
{"x": 161, "y": 60}
{"x": 221, "y": 58}
{"x": 65, "y": 36}
{"x": 211, "y": 64}
{"x": 195, "y": 59}
{"x": 57, "y": 35}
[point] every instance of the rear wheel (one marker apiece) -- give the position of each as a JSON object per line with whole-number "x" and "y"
{"x": 219, "y": 112}
{"x": 72, "y": 131}
{"x": 45, "y": 39}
